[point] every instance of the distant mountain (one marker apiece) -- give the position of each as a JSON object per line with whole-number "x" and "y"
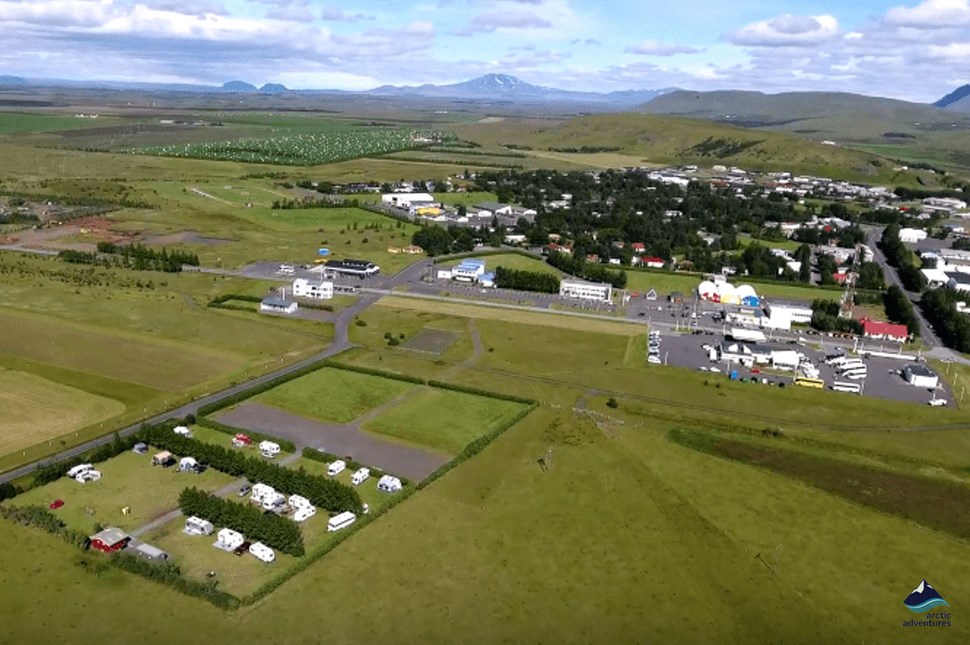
{"x": 273, "y": 88}
{"x": 502, "y": 87}
{"x": 238, "y": 86}
{"x": 12, "y": 80}
{"x": 957, "y": 100}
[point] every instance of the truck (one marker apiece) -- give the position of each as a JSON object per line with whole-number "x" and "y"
{"x": 749, "y": 335}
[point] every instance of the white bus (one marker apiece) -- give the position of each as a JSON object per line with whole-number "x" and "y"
{"x": 840, "y": 386}
{"x": 852, "y": 363}
{"x": 855, "y": 375}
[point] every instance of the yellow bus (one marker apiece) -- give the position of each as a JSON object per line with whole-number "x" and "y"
{"x": 817, "y": 383}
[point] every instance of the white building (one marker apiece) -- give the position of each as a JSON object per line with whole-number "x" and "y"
{"x": 911, "y": 235}
{"x": 469, "y": 271}
{"x": 783, "y": 317}
{"x": 602, "y": 292}
{"x": 322, "y": 290}
{"x": 921, "y": 376}
{"x": 407, "y": 200}
{"x": 278, "y": 305}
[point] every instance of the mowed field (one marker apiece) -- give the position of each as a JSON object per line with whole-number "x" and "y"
{"x": 35, "y": 409}
{"x": 518, "y": 262}
{"x": 334, "y": 395}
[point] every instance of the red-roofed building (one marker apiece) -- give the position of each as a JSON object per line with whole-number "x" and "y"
{"x": 638, "y": 247}
{"x": 884, "y": 331}
{"x": 652, "y": 262}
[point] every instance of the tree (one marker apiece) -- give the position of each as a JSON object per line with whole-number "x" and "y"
{"x": 433, "y": 239}
{"x": 871, "y": 277}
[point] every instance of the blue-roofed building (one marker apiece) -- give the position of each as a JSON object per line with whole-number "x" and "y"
{"x": 487, "y": 280}
{"x": 469, "y": 270}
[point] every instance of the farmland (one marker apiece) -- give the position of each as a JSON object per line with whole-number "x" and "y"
{"x": 299, "y": 149}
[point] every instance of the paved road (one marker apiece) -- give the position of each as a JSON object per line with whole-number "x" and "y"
{"x": 340, "y": 343}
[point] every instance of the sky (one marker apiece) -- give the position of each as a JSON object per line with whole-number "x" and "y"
{"x": 902, "y": 49}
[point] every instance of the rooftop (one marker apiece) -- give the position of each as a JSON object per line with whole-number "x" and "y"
{"x": 919, "y": 370}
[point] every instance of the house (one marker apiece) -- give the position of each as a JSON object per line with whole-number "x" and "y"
{"x": 228, "y": 540}
{"x": 919, "y": 375}
{"x": 884, "y": 331}
{"x": 197, "y": 526}
{"x": 602, "y": 292}
{"x": 278, "y": 305}
{"x": 958, "y": 281}
{"x": 164, "y": 459}
{"x": 494, "y": 208}
{"x": 638, "y": 247}
{"x": 303, "y": 288}
{"x": 110, "y": 540}
{"x": 389, "y": 484}
{"x": 653, "y": 262}
{"x": 912, "y": 235}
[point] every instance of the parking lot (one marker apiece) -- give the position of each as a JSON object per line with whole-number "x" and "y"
{"x": 884, "y": 379}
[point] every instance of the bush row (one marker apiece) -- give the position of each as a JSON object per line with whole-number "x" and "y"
{"x": 169, "y": 574}
{"x": 45, "y": 520}
{"x": 284, "y": 444}
{"x": 478, "y": 392}
{"x": 321, "y": 491}
{"x": 275, "y": 531}
{"x": 376, "y": 372}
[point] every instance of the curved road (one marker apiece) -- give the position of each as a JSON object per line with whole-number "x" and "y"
{"x": 341, "y": 343}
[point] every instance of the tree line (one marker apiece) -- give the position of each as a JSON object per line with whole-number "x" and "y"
{"x": 520, "y": 280}
{"x": 897, "y": 255}
{"x": 900, "y": 310}
{"x": 940, "y": 308}
{"x": 321, "y": 491}
{"x": 272, "y": 530}
{"x": 436, "y": 240}
{"x": 579, "y": 267}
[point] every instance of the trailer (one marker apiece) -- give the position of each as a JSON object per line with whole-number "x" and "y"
{"x": 749, "y": 335}
{"x": 343, "y": 520}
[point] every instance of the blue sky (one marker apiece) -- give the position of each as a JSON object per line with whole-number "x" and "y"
{"x": 916, "y": 50}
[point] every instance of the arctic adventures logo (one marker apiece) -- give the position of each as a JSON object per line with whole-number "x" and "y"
{"x": 923, "y": 600}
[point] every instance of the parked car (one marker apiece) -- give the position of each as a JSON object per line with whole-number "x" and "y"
{"x": 938, "y": 403}
{"x": 245, "y": 490}
{"x": 56, "y": 504}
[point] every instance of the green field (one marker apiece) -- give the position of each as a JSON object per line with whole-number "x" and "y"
{"x": 333, "y": 395}
{"x": 444, "y": 420}
{"x": 36, "y": 410}
{"x": 21, "y": 122}
{"x": 665, "y": 283}
{"x": 518, "y": 262}
{"x": 127, "y": 480}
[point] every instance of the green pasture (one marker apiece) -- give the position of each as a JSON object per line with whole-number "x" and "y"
{"x": 23, "y": 122}
{"x": 38, "y": 410}
{"x": 443, "y": 419}
{"x": 333, "y": 395}
{"x": 518, "y": 262}
{"x": 128, "y": 480}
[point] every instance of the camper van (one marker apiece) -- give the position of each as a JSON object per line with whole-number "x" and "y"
{"x": 77, "y": 470}
{"x": 189, "y": 465}
{"x": 341, "y": 521}
{"x": 261, "y": 492}
{"x": 198, "y": 526}
{"x": 228, "y": 540}
{"x": 336, "y": 468}
{"x": 274, "y": 503}
{"x": 262, "y": 552}
{"x": 389, "y": 484}
{"x": 183, "y": 431}
{"x": 304, "y": 513}
{"x": 269, "y": 449}
{"x": 90, "y": 475}
{"x": 360, "y": 476}
{"x": 298, "y": 501}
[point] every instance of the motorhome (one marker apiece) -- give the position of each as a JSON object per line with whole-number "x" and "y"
{"x": 304, "y": 513}
{"x": 853, "y": 388}
{"x": 77, "y": 470}
{"x": 389, "y": 484}
{"x": 262, "y": 552}
{"x": 269, "y": 449}
{"x": 90, "y": 475}
{"x": 198, "y": 526}
{"x": 336, "y": 468}
{"x": 274, "y": 503}
{"x": 343, "y": 520}
{"x": 228, "y": 540}
{"x": 183, "y": 431}
{"x": 360, "y": 476}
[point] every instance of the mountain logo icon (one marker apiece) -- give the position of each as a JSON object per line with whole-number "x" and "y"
{"x": 924, "y": 598}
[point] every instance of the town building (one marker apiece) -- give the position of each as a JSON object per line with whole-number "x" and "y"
{"x": 278, "y": 305}
{"x": 322, "y": 290}
{"x": 602, "y": 292}
{"x": 919, "y": 375}
{"x": 884, "y": 331}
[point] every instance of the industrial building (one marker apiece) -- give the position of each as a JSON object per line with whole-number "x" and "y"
{"x": 407, "y": 200}
{"x": 601, "y": 292}
{"x": 469, "y": 270}
{"x": 359, "y": 268}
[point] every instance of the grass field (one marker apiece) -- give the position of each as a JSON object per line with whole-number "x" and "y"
{"x": 518, "y": 262}
{"x": 686, "y": 283}
{"x": 127, "y": 480}
{"x": 20, "y": 122}
{"x": 443, "y": 419}
{"x": 36, "y": 410}
{"x": 333, "y": 395}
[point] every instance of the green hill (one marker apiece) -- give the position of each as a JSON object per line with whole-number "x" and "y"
{"x": 671, "y": 140}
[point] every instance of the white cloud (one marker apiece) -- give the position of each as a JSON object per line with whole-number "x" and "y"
{"x": 492, "y": 21}
{"x": 656, "y": 48}
{"x": 931, "y": 14}
{"x": 788, "y": 31}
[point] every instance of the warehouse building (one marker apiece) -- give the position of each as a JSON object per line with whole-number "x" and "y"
{"x": 921, "y": 376}
{"x": 601, "y": 292}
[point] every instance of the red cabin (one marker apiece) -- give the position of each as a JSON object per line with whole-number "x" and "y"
{"x": 110, "y": 540}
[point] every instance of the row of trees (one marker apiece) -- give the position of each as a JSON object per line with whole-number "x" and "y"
{"x": 142, "y": 258}
{"x": 272, "y": 530}
{"x": 321, "y": 491}
{"x": 940, "y": 308}
{"x": 902, "y": 258}
{"x": 526, "y": 280}
{"x": 900, "y": 310}
{"x": 577, "y": 266}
